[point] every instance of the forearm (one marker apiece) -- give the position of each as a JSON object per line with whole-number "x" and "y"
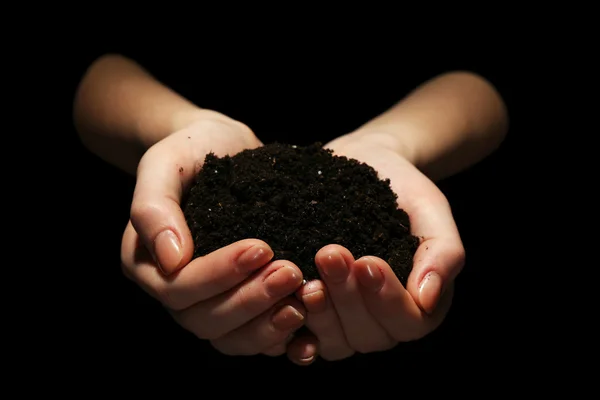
{"x": 445, "y": 125}
{"x": 120, "y": 110}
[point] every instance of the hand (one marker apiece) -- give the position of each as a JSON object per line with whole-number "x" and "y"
{"x": 361, "y": 305}
{"x": 236, "y": 297}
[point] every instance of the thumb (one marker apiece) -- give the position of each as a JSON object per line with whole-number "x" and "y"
{"x": 439, "y": 258}
{"x": 437, "y": 262}
{"x": 156, "y": 214}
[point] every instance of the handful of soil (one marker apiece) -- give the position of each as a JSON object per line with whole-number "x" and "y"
{"x": 298, "y": 199}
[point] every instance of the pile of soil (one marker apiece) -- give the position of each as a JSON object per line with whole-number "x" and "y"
{"x": 298, "y": 199}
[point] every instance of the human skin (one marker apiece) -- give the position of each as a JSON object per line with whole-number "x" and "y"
{"x": 132, "y": 121}
{"x": 444, "y": 126}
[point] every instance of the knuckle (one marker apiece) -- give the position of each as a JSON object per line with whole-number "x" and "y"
{"x": 249, "y": 300}
{"x": 217, "y": 122}
{"x": 168, "y": 297}
{"x": 455, "y": 257}
{"x": 142, "y": 210}
{"x": 271, "y": 336}
{"x": 214, "y": 121}
{"x": 238, "y": 128}
{"x": 243, "y": 128}
{"x": 459, "y": 257}
{"x": 146, "y": 157}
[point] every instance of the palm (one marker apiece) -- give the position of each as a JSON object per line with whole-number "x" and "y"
{"x": 220, "y": 138}
{"x": 428, "y": 209}
{"x": 416, "y": 193}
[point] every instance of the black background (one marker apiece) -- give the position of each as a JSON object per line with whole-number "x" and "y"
{"x": 298, "y": 93}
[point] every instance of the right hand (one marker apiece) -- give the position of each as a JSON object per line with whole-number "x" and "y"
{"x": 236, "y": 297}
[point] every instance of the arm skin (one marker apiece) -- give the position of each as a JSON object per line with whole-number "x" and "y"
{"x": 120, "y": 111}
{"x": 442, "y": 127}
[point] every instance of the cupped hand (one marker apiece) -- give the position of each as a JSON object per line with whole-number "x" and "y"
{"x": 360, "y": 305}
{"x": 237, "y": 297}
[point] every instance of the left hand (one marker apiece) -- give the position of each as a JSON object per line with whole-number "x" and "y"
{"x": 361, "y": 305}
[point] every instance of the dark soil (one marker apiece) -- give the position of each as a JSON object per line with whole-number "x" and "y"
{"x": 298, "y": 199}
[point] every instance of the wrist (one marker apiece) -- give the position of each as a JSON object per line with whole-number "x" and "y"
{"x": 185, "y": 117}
{"x": 382, "y": 138}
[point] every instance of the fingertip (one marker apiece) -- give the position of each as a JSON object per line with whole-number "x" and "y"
{"x": 293, "y": 269}
{"x": 369, "y": 273}
{"x": 332, "y": 249}
{"x": 303, "y": 350}
{"x": 288, "y": 316}
{"x": 292, "y": 302}
{"x": 161, "y": 226}
{"x": 310, "y": 287}
{"x": 252, "y": 254}
{"x": 313, "y": 296}
{"x": 429, "y": 292}
{"x": 437, "y": 263}
{"x": 247, "y": 243}
{"x": 282, "y": 278}
{"x": 333, "y": 263}
{"x": 168, "y": 251}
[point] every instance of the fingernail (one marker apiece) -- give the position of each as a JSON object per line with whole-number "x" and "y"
{"x": 430, "y": 291}
{"x": 254, "y": 257}
{"x": 308, "y": 354}
{"x": 167, "y": 251}
{"x": 335, "y": 268}
{"x": 315, "y": 302}
{"x": 287, "y": 318}
{"x": 370, "y": 276}
{"x": 307, "y": 360}
{"x": 282, "y": 282}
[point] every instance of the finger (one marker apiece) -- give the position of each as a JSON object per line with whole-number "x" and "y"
{"x": 440, "y": 256}
{"x": 275, "y": 351}
{"x": 323, "y": 321}
{"x": 390, "y": 303}
{"x": 203, "y": 278}
{"x": 363, "y": 332}
{"x": 436, "y": 263}
{"x": 303, "y": 349}
{"x": 156, "y": 215}
{"x": 281, "y": 348}
{"x": 264, "y": 332}
{"x": 222, "y": 314}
